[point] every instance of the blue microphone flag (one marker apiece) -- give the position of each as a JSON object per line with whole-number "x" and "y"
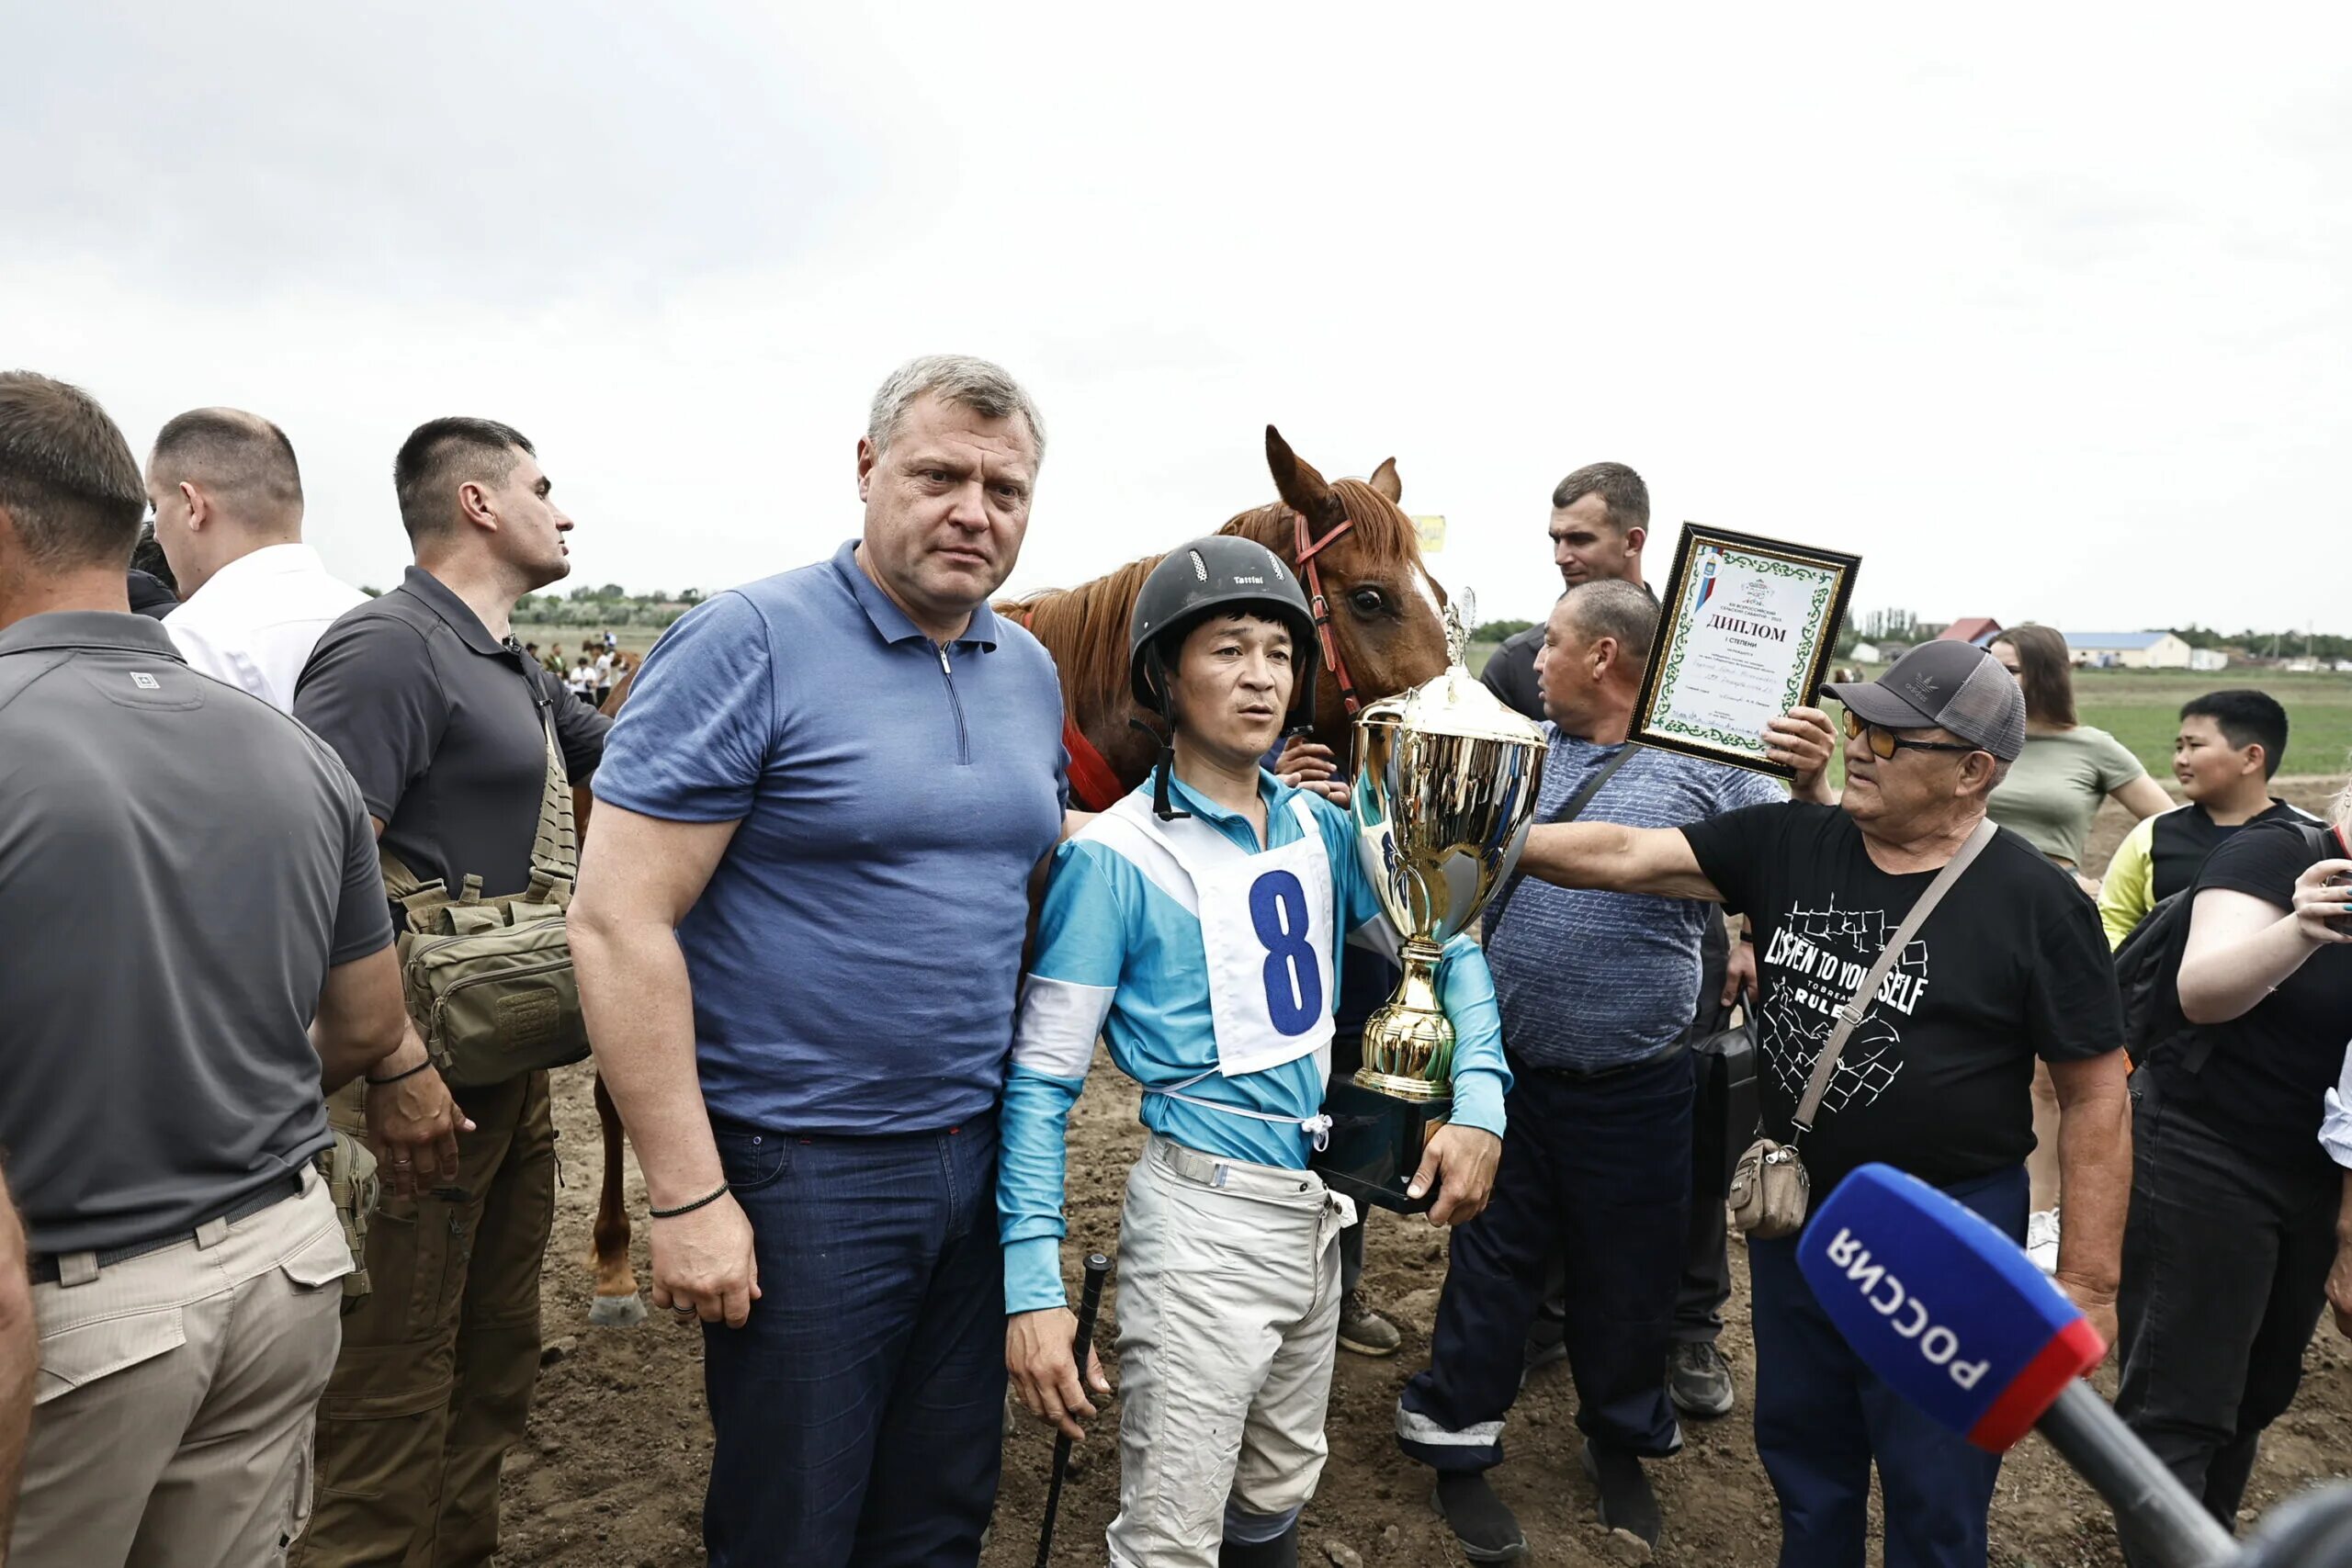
{"x": 1943, "y": 1306}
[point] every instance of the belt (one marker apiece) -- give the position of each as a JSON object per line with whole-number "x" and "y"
{"x": 1570, "y": 1074}
{"x": 45, "y": 1270}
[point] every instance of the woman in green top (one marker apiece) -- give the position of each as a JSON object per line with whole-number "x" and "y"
{"x": 2052, "y": 791}
{"x": 2055, "y": 788}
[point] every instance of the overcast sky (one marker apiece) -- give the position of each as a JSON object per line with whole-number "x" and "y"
{"x": 2046, "y": 319}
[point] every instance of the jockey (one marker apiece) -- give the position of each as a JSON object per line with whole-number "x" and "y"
{"x": 1194, "y": 924}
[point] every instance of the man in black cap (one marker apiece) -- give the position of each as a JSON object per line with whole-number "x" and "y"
{"x": 1935, "y": 1081}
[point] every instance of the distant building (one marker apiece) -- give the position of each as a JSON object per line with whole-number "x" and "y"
{"x": 2129, "y": 650}
{"x": 1868, "y": 654}
{"x": 1891, "y": 651}
{"x": 1977, "y": 631}
{"x": 2208, "y": 659}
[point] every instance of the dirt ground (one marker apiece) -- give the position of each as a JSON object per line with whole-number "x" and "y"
{"x": 612, "y": 1476}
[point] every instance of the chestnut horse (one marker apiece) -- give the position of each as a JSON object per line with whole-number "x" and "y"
{"x": 1381, "y": 614}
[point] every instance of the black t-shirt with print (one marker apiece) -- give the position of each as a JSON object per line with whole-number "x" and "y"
{"x": 2264, "y": 1086}
{"x": 1937, "y": 1080}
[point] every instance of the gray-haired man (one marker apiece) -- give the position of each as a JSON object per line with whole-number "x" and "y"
{"x": 799, "y": 936}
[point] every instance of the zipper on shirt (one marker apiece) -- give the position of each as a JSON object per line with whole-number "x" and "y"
{"x": 955, "y": 706}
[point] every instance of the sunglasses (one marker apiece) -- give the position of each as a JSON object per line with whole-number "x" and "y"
{"x": 1885, "y": 743}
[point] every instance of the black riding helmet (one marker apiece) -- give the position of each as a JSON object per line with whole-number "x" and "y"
{"x": 1222, "y": 574}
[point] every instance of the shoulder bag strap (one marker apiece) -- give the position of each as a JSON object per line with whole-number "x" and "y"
{"x": 555, "y": 849}
{"x": 1850, "y": 1017}
{"x": 1568, "y": 813}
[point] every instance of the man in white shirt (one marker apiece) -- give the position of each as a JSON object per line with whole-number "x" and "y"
{"x": 254, "y": 598}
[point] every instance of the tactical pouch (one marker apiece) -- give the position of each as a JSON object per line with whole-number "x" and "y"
{"x": 349, "y": 1167}
{"x": 488, "y": 981}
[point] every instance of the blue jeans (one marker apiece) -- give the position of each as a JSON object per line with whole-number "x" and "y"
{"x": 1822, "y": 1417}
{"x": 1597, "y": 1172}
{"x": 859, "y": 1414}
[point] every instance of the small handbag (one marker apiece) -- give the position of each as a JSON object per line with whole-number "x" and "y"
{"x": 1770, "y": 1189}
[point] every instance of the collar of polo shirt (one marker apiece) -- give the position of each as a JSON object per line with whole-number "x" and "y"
{"x": 443, "y": 601}
{"x": 890, "y": 620}
{"x": 90, "y": 629}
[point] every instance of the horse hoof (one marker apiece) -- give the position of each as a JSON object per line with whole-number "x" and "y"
{"x": 617, "y": 1312}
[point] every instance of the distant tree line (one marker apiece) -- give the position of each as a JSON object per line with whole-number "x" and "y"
{"x": 608, "y": 604}
{"x": 2285, "y": 644}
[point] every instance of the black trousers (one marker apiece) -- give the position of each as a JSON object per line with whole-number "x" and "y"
{"x": 2225, "y": 1262}
{"x": 1596, "y": 1171}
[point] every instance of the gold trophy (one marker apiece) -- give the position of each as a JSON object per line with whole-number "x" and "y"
{"x": 1444, "y": 787}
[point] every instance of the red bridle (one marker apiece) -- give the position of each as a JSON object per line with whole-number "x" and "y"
{"x": 1308, "y": 549}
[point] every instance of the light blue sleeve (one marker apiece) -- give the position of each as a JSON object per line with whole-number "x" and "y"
{"x": 1081, "y": 946}
{"x": 1466, "y": 990}
{"x": 696, "y": 737}
{"x": 1358, "y": 902}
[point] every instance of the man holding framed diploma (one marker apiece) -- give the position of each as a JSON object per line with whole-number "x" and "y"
{"x": 1749, "y": 628}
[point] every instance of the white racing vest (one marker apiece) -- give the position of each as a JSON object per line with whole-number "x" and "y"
{"x": 1266, "y": 932}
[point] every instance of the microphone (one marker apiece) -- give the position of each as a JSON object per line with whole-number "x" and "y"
{"x": 1955, "y": 1318}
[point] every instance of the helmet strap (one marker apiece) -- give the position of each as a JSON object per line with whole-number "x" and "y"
{"x": 1162, "y": 807}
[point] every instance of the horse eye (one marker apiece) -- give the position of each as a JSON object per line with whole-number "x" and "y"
{"x": 1369, "y": 601}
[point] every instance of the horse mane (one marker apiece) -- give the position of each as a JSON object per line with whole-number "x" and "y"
{"x": 1087, "y": 628}
{"x": 1088, "y": 625}
{"x": 1378, "y": 522}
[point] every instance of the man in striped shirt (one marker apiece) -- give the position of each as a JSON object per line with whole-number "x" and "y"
{"x": 1596, "y": 992}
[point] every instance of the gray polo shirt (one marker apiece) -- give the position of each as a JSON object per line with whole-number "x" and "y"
{"x": 180, "y": 864}
{"x": 440, "y": 723}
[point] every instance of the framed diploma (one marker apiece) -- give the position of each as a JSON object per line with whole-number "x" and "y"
{"x": 1747, "y": 629}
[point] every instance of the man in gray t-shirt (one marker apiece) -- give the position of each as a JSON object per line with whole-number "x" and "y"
{"x": 197, "y": 946}
{"x": 1597, "y": 991}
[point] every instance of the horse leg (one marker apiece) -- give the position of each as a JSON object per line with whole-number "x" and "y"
{"x": 617, "y": 1304}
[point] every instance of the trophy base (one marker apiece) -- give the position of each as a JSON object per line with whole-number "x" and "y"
{"x": 1376, "y": 1143}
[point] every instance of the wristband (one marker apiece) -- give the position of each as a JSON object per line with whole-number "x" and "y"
{"x": 690, "y": 1208}
{"x": 397, "y": 1077}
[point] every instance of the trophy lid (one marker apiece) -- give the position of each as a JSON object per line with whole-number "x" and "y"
{"x": 1456, "y": 703}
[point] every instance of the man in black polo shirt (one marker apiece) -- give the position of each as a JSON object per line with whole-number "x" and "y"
{"x": 187, "y": 882}
{"x": 434, "y": 707}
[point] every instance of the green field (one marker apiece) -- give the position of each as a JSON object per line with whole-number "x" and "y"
{"x": 635, "y": 639}
{"x": 2141, "y": 708}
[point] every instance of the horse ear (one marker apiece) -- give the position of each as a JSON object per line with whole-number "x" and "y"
{"x": 1295, "y": 481}
{"x": 1384, "y": 479}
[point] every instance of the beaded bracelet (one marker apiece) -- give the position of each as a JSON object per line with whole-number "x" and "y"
{"x": 690, "y": 1208}
{"x": 397, "y": 1077}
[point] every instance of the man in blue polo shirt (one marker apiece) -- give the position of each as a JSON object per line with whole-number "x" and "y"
{"x": 798, "y": 932}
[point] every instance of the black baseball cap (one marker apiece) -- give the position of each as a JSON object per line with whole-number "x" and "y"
{"x": 1944, "y": 685}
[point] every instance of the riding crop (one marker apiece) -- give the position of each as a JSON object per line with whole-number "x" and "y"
{"x": 1098, "y": 1268}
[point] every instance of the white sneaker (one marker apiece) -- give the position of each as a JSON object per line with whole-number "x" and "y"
{"x": 2042, "y": 1239}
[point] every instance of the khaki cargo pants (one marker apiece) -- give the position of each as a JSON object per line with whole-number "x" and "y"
{"x": 172, "y": 1423}
{"x": 434, "y": 1385}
